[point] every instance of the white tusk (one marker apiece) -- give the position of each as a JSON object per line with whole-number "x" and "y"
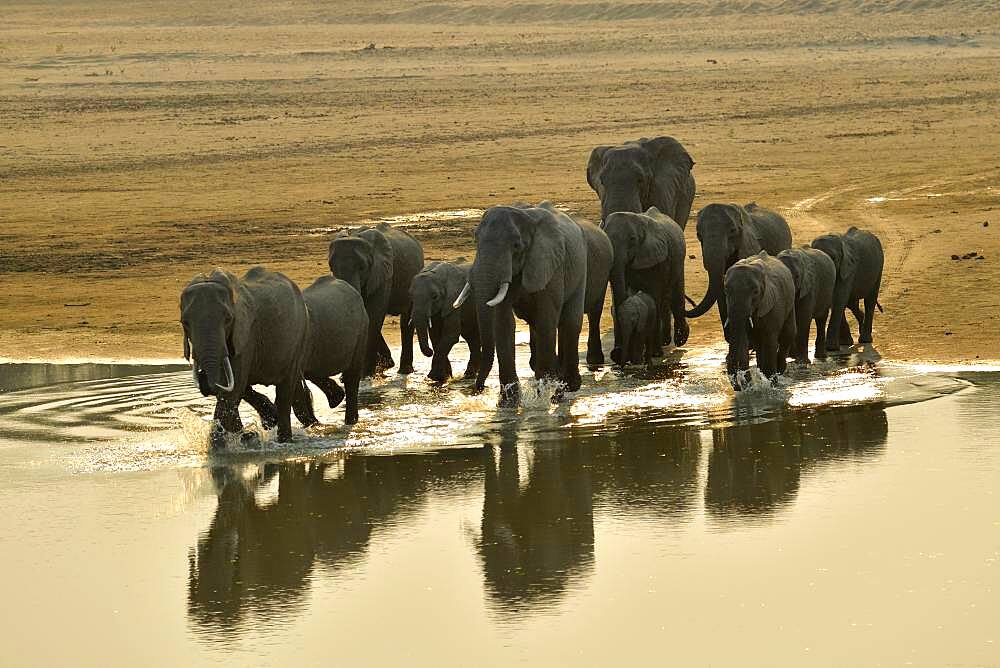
{"x": 462, "y": 296}
{"x": 725, "y": 325}
{"x": 501, "y": 295}
{"x": 751, "y": 322}
{"x": 229, "y": 375}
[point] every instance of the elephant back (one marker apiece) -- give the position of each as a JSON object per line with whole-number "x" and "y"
{"x": 770, "y": 228}
{"x": 408, "y": 261}
{"x": 271, "y": 306}
{"x": 338, "y": 324}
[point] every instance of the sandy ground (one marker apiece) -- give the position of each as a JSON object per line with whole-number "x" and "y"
{"x": 141, "y": 143}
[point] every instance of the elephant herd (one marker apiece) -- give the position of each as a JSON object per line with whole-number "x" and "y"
{"x": 544, "y": 266}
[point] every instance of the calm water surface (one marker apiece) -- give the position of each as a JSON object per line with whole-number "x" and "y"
{"x": 846, "y": 516}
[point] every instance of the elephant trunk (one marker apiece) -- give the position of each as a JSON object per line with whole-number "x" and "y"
{"x": 213, "y": 370}
{"x": 737, "y": 329}
{"x": 620, "y": 198}
{"x": 619, "y": 293}
{"x": 490, "y": 282}
{"x": 716, "y": 267}
{"x": 422, "y": 323}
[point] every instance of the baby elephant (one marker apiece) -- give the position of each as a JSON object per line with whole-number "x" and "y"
{"x": 639, "y": 329}
{"x": 760, "y": 300}
{"x": 814, "y": 275}
{"x": 438, "y": 323}
{"x": 858, "y": 258}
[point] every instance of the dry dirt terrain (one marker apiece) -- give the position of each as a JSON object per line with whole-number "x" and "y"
{"x": 141, "y": 143}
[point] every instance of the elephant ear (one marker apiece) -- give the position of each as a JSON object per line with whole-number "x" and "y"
{"x": 546, "y": 253}
{"x": 769, "y": 288}
{"x": 594, "y": 167}
{"x": 454, "y": 281}
{"x": 242, "y": 308}
{"x": 848, "y": 261}
{"x": 382, "y": 260}
{"x": 655, "y": 245}
{"x": 747, "y": 243}
{"x": 807, "y": 274}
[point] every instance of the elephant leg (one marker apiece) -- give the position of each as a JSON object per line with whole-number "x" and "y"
{"x": 820, "y": 349}
{"x": 406, "y": 341}
{"x": 475, "y": 354}
{"x": 448, "y": 337}
{"x": 510, "y": 389}
{"x": 800, "y": 351}
{"x": 846, "y": 338}
{"x": 595, "y": 352}
{"x": 302, "y": 405}
{"x": 569, "y": 353}
{"x": 681, "y": 329}
{"x": 284, "y": 395}
{"x": 866, "y": 326}
{"x": 767, "y": 353}
{"x": 374, "y": 346}
{"x": 859, "y": 315}
{"x": 333, "y": 392}
{"x": 666, "y": 326}
{"x": 227, "y": 414}
{"x": 384, "y": 354}
{"x": 351, "y": 379}
{"x": 787, "y": 339}
{"x": 531, "y": 347}
{"x": 265, "y": 409}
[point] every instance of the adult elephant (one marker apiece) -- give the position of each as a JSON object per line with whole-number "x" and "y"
{"x": 639, "y": 174}
{"x": 729, "y": 233}
{"x": 439, "y": 323}
{"x": 243, "y": 332}
{"x": 532, "y": 261}
{"x": 380, "y": 262}
{"x": 859, "y": 259}
{"x": 760, "y": 293}
{"x": 649, "y": 254}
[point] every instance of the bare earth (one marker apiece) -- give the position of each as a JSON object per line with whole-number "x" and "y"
{"x": 141, "y": 143}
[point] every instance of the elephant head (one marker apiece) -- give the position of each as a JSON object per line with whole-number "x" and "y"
{"x": 748, "y": 295}
{"x": 801, "y": 268}
{"x": 625, "y": 176}
{"x": 842, "y": 254}
{"x": 216, "y": 326}
{"x": 725, "y": 236}
{"x": 433, "y": 292}
{"x": 363, "y": 259}
{"x": 518, "y": 250}
{"x": 633, "y": 316}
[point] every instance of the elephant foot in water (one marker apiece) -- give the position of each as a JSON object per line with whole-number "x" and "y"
{"x": 510, "y": 395}
{"x": 681, "y": 333}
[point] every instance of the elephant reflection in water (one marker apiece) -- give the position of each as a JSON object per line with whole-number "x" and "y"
{"x": 754, "y": 469}
{"x": 256, "y": 559}
{"x": 537, "y": 534}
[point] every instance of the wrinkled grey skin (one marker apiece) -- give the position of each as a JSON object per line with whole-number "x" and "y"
{"x": 260, "y": 324}
{"x": 438, "y": 323}
{"x": 639, "y": 329}
{"x": 649, "y": 252}
{"x": 639, "y": 174}
{"x": 599, "y": 258}
{"x": 541, "y": 254}
{"x": 728, "y": 233}
{"x": 814, "y": 275}
{"x": 380, "y": 263}
{"x": 761, "y": 288}
{"x": 859, "y": 259}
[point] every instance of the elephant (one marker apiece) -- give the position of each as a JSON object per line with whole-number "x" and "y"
{"x": 639, "y": 174}
{"x": 760, "y": 294}
{"x": 859, "y": 260}
{"x": 649, "y": 252}
{"x": 243, "y": 332}
{"x": 600, "y": 255}
{"x": 639, "y": 329}
{"x": 380, "y": 263}
{"x": 814, "y": 275}
{"x": 532, "y": 261}
{"x": 728, "y": 233}
{"x": 438, "y": 323}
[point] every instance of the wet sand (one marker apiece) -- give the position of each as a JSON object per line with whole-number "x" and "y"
{"x": 148, "y": 142}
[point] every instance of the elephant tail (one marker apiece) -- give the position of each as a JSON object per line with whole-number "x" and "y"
{"x": 689, "y": 300}
{"x": 879, "y": 307}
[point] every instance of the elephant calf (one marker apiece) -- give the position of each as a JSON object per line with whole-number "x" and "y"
{"x": 439, "y": 323}
{"x": 859, "y": 259}
{"x": 639, "y": 329}
{"x": 814, "y": 275}
{"x": 243, "y": 332}
{"x": 760, "y": 295}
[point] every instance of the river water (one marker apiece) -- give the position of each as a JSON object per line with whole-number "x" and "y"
{"x": 847, "y": 515}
